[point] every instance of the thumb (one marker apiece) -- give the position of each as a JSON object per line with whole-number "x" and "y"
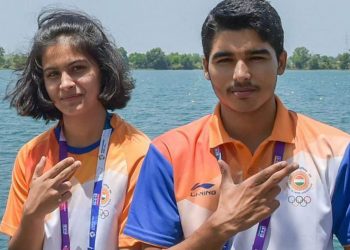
{"x": 226, "y": 178}
{"x": 39, "y": 168}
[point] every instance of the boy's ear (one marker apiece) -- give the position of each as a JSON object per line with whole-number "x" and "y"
{"x": 205, "y": 68}
{"x": 282, "y": 62}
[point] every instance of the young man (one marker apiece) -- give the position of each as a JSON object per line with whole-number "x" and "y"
{"x": 177, "y": 195}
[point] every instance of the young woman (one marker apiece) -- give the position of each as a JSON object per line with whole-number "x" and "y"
{"x": 72, "y": 185}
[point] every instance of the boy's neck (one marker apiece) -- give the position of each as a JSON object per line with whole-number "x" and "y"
{"x": 251, "y": 128}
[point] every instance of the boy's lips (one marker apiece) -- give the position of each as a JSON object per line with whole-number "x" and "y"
{"x": 242, "y": 92}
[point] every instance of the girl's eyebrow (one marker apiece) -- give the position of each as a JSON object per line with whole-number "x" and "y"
{"x": 69, "y": 64}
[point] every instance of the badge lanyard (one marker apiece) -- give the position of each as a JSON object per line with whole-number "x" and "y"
{"x": 101, "y": 161}
{"x": 264, "y": 224}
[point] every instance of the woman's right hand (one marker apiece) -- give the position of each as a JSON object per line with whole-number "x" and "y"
{"x": 48, "y": 190}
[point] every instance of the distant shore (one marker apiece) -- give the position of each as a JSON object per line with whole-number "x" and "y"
{"x": 301, "y": 59}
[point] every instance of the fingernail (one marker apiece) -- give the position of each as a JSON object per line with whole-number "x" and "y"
{"x": 282, "y": 164}
{"x": 295, "y": 165}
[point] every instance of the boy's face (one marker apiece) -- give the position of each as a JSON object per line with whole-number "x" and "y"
{"x": 243, "y": 70}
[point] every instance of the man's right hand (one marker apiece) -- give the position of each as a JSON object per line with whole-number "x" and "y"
{"x": 240, "y": 206}
{"x": 249, "y": 202}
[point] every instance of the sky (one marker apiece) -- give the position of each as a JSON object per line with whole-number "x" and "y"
{"x": 322, "y": 26}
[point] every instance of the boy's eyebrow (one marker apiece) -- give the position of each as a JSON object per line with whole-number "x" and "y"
{"x": 258, "y": 52}
{"x": 221, "y": 54}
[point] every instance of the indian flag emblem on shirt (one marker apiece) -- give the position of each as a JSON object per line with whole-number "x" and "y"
{"x": 299, "y": 181}
{"x": 105, "y": 195}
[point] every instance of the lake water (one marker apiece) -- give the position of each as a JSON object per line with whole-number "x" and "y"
{"x": 166, "y": 99}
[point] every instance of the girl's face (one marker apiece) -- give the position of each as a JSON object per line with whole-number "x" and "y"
{"x": 72, "y": 80}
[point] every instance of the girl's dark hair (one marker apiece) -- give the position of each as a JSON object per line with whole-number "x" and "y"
{"x": 257, "y": 15}
{"x": 86, "y": 34}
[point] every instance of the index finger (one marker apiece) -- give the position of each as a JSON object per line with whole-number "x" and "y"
{"x": 39, "y": 168}
{"x": 277, "y": 170}
{"x": 58, "y": 168}
{"x": 279, "y": 175}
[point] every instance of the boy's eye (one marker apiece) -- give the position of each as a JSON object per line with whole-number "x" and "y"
{"x": 224, "y": 60}
{"x": 257, "y": 58}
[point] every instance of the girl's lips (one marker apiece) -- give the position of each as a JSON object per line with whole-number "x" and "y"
{"x": 71, "y": 97}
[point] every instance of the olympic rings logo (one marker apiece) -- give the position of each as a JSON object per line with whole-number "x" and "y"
{"x": 104, "y": 213}
{"x": 299, "y": 200}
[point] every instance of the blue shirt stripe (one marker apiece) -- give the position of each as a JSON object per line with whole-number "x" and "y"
{"x": 155, "y": 219}
{"x": 341, "y": 201}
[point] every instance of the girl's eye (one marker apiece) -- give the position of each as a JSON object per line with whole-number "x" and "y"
{"x": 78, "y": 68}
{"x": 52, "y": 74}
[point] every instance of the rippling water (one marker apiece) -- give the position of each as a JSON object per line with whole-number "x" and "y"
{"x": 166, "y": 99}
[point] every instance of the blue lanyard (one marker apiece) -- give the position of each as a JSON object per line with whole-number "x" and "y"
{"x": 263, "y": 226}
{"x": 101, "y": 162}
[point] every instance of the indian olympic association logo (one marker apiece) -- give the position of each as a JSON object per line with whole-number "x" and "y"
{"x": 105, "y": 195}
{"x": 105, "y": 201}
{"x": 299, "y": 183}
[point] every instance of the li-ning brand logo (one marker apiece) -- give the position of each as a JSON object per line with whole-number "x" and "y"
{"x": 202, "y": 189}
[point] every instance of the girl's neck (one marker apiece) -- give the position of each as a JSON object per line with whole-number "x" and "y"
{"x": 82, "y": 131}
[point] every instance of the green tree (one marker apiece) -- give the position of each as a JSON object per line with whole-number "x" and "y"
{"x": 2, "y": 57}
{"x": 138, "y": 60}
{"x": 197, "y": 61}
{"x": 16, "y": 61}
{"x": 123, "y": 54}
{"x": 300, "y": 57}
{"x": 156, "y": 59}
{"x": 314, "y": 62}
{"x": 344, "y": 60}
{"x": 174, "y": 60}
{"x": 327, "y": 62}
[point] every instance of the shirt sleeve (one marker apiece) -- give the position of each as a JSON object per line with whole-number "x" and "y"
{"x": 124, "y": 240}
{"x": 153, "y": 216}
{"x": 341, "y": 201}
{"x": 17, "y": 195}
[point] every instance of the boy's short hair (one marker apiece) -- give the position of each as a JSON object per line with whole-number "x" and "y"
{"x": 257, "y": 15}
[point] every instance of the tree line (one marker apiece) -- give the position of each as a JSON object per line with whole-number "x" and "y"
{"x": 157, "y": 59}
{"x": 303, "y": 59}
